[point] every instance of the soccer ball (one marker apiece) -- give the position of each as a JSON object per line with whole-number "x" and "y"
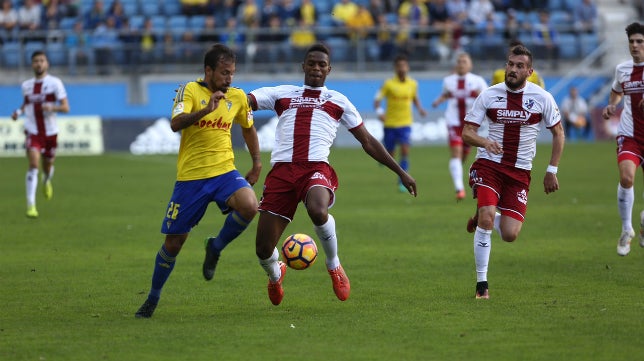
{"x": 299, "y": 251}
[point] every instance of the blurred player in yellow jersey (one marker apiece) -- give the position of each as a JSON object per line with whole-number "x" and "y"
{"x": 205, "y": 111}
{"x": 399, "y": 93}
{"x": 499, "y": 74}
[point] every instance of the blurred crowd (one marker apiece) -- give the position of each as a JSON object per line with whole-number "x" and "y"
{"x": 98, "y": 33}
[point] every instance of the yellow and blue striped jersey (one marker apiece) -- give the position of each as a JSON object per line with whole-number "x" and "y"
{"x": 206, "y": 148}
{"x": 399, "y": 96}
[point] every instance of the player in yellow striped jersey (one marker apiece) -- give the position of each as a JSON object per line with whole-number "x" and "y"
{"x": 205, "y": 111}
{"x": 399, "y": 92}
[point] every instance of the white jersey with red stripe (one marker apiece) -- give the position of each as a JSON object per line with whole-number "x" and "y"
{"x": 462, "y": 90}
{"x": 514, "y": 119}
{"x": 308, "y": 120}
{"x": 629, "y": 80}
{"x": 36, "y": 93}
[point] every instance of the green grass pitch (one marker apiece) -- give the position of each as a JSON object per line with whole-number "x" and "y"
{"x": 71, "y": 280}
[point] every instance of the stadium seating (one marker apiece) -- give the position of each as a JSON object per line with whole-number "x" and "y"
{"x": 56, "y": 53}
{"x": 11, "y": 54}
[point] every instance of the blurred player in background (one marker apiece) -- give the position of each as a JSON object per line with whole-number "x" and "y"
{"x": 499, "y": 74}
{"x": 205, "y": 111}
{"x": 629, "y": 85}
{"x": 459, "y": 89}
{"x": 399, "y": 92}
{"x": 44, "y": 95}
{"x": 309, "y": 117}
{"x": 500, "y": 176}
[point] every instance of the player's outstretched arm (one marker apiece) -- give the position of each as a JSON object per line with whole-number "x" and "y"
{"x": 375, "y": 149}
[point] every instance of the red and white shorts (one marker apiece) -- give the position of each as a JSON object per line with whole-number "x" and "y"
{"x": 506, "y": 187}
{"x": 287, "y": 184}
{"x": 46, "y": 145}
{"x": 629, "y": 149}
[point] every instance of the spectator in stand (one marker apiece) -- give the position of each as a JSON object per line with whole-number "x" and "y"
{"x": 224, "y": 10}
{"x": 171, "y": 51}
{"x": 376, "y": 8}
{"x": 288, "y": 12}
{"x": 273, "y": 42}
{"x": 130, "y": 39}
{"x": 307, "y": 12}
{"x": 95, "y": 15}
{"x": 248, "y": 13}
{"x": 545, "y": 39}
{"x": 479, "y": 11}
{"x": 268, "y": 9}
{"x": 233, "y": 37}
{"x": 79, "y": 49}
{"x": 343, "y": 11}
{"x": 117, "y": 11}
{"x": 188, "y": 49}
{"x": 440, "y": 19}
{"x": 416, "y": 14}
{"x": 148, "y": 42}
{"x": 359, "y": 26}
{"x": 457, "y": 10}
{"x": 8, "y": 21}
{"x": 512, "y": 27}
{"x": 105, "y": 40}
{"x": 29, "y": 16}
{"x": 585, "y": 16}
{"x": 208, "y": 34}
{"x": 52, "y": 15}
{"x": 385, "y": 33}
{"x": 194, "y": 7}
{"x": 302, "y": 37}
{"x": 574, "y": 111}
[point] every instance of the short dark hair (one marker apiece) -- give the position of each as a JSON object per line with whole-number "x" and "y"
{"x": 521, "y": 50}
{"x": 317, "y": 47}
{"x": 37, "y": 53}
{"x": 400, "y": 57}
{"x": 634, "y": 28}
{"x": 218, "y": 53}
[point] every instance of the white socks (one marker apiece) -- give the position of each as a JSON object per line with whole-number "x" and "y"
{"x": 456, "y": 170}
{"x": 482, "y": 246}
{"x": 328, "y": 238}
{"x": 625, "y": 200}
{"x": 271, "y": 266}
{"x": 31, "y": 183}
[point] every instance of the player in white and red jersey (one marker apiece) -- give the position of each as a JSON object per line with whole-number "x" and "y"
{"x": 500, "y": 175}
{"x": 459, "y": 90}
{"x": 44, "y": 95}
{"x": 309, "y": 116}
{"x": 628, "y": 84}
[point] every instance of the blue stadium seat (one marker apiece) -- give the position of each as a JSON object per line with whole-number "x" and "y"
{"x": 136, "y": 21}
{"x": 30, "y": 47}
{"x": 568, "y": 47}
{"x": 196, "y": 22}
{"x": 339, "y": 47}
{"x": 588, "y": 43}
{"x": 130, "y": 8}
{"x": 11, "y": 54}
{"x": 171, "y": 7}
{"x": 67, "y": 23}
{"x": 56, "y": 53}
{"x": 177, "y": 23}
{"x": 150, "y": 8}
{"x": 158, "y": 22}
